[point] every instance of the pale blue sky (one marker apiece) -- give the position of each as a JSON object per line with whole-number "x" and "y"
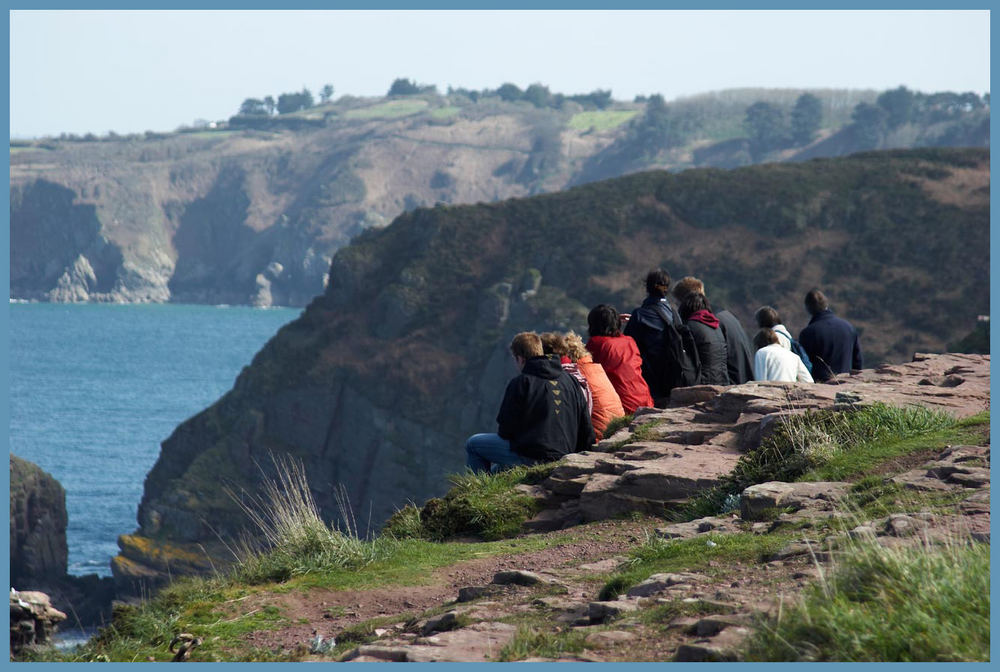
{"x": 131, "y": 71}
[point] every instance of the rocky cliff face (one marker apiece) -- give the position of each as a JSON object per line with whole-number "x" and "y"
{"x": 38, "y": 559}
{"x": 253, "y": 214}
{"x": 379, "y": 382}
{"x": 38, "y": 521}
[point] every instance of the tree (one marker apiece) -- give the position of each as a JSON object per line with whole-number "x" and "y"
{"x": 509, "y": 92}
{"x": 538, "y": 95}
{"x": 253, "y": 106}
{"x": 869, "y": 124}
{"x": 898, "y": 105}
{"x": 767, "y": 128}
{"x": 270, "y": 105}
{"x": 807, "y": 115}
{"x": 293, "y": 102}
{"x": 326, "y": 93}
{"x": 403, "y": 87}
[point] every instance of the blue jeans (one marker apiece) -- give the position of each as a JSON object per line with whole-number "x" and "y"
{"x": 483, "y": 452}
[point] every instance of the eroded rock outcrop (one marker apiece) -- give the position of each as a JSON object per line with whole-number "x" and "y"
{"x": 38, "y": 550}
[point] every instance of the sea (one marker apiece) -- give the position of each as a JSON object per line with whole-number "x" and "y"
{"x": 95, "y": 388}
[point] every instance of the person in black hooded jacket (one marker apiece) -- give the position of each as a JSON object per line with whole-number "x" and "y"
{"x": 708, "y": 338}
{"x": 543, "y": 415}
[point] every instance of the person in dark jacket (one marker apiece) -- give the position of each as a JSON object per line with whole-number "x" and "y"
{"x": 645, "y": 325}
{"x": 739, "y": 357}
{"x": 708, "y": 337}
{"x": 831, "y": 342}
{"x": 543, "y": 415}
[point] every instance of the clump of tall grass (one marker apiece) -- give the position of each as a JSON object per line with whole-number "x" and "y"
{"x": 484, "y": 505}
{"x": 292, "y": 537}
{"x": 826, "y": 444}
{"x": 919, "y": 602}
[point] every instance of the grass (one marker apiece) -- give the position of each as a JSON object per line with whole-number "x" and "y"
{"x": 662, "y": 555}
{"x": 600, "y": 120}
{"x": 617, "y": 423}
{"x": 831, "y": 445}
{"x": 535, "y": 640}
{"x": 445, "y": 112}
{"x": 483, "y": 505}
{"x": 389, "y": 110}
{"x": 295, "y": 539}
{"x": 643, "y": 432}
{"x": 923, "y": 603}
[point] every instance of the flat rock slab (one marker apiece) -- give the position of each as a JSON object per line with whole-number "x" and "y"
{"x": 723, "y": 648}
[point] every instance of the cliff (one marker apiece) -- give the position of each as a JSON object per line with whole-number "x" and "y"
{"x": 38, "y": 552}
{"x": 38, "y": 522}
{"x": 378, "y": 383}
{"x": 253, "y": 212}
{"x": 766, "y": 521}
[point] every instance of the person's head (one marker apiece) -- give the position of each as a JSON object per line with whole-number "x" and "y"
{"x": 691, "y": 304}
{"x": 688, "y": 285}
{"x": 767, "y": 317}
{"x": 574, "y": 345}
{"x": 603, "y": 321}
{"x": 816, "y": 301}
{"x": 764, "y": 338}
{"x": 524, "y": 346}
{"x": 554, "y": 344}
{"x": 657, "y": 283}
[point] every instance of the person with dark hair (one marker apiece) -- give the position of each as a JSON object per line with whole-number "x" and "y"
{"x": 646, "y": 326}
{"x": 543, "y": 415}
{"x": 831, "y": 342}
{"x": 619, "y": 356}
{"x": 768, "y": 318}
{"x": 708, "y": 338}
{"x": 739, "y": 357}
{"x": 774, "y": 362}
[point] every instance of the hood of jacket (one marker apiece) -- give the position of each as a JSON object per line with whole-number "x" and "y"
{"x": 543, "y": 367}
{"x": 706, "y": 318}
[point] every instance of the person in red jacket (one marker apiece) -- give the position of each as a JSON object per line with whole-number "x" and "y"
{"x": 607, "y": 404}
{"x": 619, "y": 355}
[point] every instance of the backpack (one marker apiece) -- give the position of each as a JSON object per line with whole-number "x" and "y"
{"x": 683, "y": 367}
{"x": 798, "y": 350}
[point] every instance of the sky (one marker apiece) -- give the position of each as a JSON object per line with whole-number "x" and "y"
{"x": 131, "y": 71}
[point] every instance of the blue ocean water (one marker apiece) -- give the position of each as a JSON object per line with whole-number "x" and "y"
{"x": 95, "y": 388}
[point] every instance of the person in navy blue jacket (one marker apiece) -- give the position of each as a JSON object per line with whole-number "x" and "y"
{"x": 831, "y": 342}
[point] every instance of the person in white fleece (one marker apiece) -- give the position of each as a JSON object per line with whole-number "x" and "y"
{"x": 774, "y": 362}
{"x": 768, "y": 318}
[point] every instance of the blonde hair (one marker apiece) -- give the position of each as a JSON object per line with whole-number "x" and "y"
{"x": 574, "y": 345}
{"x": 526, "y": 345}
{"x": 688, "y": 285}
{"x": 553, "y": 343}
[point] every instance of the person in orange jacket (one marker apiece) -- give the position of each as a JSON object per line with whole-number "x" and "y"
{"x": 619, "y": 355}
{"x": 607, "y": 404}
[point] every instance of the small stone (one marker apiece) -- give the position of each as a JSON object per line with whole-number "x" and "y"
{"x": 470, "y": 593}
{"x": 518, "y": 577}
{"x": 446, "y": 621}
{"x": 599, "y": 612}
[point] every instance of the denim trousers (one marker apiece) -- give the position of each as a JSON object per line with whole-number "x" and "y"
{"x": 489, "y": 452}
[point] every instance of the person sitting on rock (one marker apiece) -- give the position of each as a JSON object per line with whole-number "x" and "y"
{"x": 708, "y": 338}
{"x": 831, "y": 342}
{"x": 542, "y": 417}
{"x": 773, "y": 362}
{"x": 607, "y": 403}
{"x": 739, "y": 357}
{"x": 768, "y": 318}
{"x": 553, "y": 344}
{"x": 646, "y": 325}
{"x": 619, "y": 356}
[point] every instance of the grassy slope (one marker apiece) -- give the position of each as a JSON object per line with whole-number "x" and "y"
{"x": 941, "y": 606}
